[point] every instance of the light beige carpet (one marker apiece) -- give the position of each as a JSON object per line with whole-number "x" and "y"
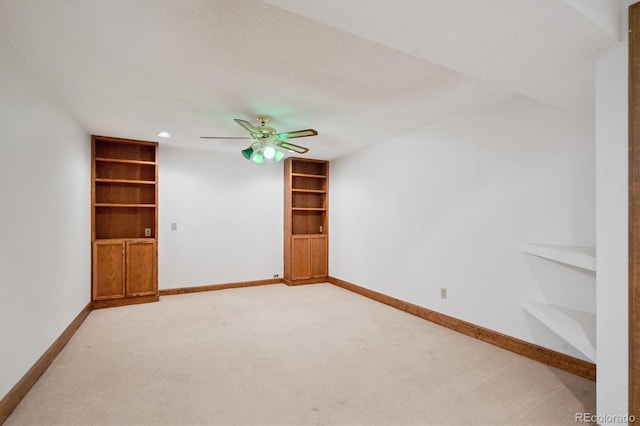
{"x": 281, "y": 355}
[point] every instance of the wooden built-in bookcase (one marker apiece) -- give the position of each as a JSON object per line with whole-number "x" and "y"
{"x": 124, "y": 225}
{"x": 306, "y": 227}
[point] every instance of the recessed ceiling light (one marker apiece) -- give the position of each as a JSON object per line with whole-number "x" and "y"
{"x": 164, "y": 134}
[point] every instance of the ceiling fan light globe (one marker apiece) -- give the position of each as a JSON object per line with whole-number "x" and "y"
{"x": 247, "y": 153}
{"x": 258, "y": 158}
{"x": 279, "y": 156}
{"x": 269, "y": 152}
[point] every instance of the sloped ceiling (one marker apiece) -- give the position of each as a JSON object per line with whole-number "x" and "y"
{"x": 359, "y": 72}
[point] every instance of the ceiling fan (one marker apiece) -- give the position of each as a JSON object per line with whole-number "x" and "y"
{"x": 267, "y": 142}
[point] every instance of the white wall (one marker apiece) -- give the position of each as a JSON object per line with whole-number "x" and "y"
{"x": 612, "y": 227}
{"x": 229, "y": 215}
{"x": 44, "y": 217}
{"x": 450, "y": 205}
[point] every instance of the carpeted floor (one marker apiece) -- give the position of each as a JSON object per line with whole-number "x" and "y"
{"x": 279, "y": 355}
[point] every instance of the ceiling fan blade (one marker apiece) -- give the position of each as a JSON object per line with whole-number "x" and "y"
{"x": 248, "y": 126}
{"x": 226, "y": 137}
{"x": 291, "y": 147}
{"x": 297, "y": 134}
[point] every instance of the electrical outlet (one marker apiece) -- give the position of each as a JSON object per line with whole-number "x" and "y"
{"x": 443, "y": 292}
{"x": 147, "y": 232}
{"x": 174, "y": 226}
{"x": 276, "y": 275}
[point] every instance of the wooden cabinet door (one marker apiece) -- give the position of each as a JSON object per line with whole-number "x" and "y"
{"x": 300, "y": 256}
{"x": 318, "y": 256}
{"x": 141, "y": 268}
{"x": 108, "y": 270}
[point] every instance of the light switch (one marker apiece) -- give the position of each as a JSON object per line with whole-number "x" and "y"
{"x": 174, "y": 226}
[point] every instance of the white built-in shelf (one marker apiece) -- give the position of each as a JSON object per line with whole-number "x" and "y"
{"x": 576, "y": 327}
{"x": 582, "y": 257}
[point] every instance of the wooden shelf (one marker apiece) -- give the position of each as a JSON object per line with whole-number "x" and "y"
{"x": 576, "y": 327}
{"x": 581, "y": 257}
{"x": 125, "y": 205}
{"x": 123, "y": 161}
{"x": 313, "y": 191}
{"x": 127, "y": 181}
{"x": 308, "y": 175}
{"x": 308, "y": 209}
{"x": 113, "y": 240}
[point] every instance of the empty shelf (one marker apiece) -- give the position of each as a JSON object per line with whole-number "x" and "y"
{"x": 582, "y": 257}
{"x": 576, "y": 327}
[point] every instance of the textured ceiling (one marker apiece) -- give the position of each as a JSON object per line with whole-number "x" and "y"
{"x": 359, "y": 72}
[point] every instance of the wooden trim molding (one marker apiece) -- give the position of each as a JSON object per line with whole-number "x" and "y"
{"x": 537, "y": 353}
{"x": 15, "y": 395}
{"x": 123, "y": 301}
{"x": 317, "y": 280}
{"x": 213, "y": 287}
{"x": 634, "y": 210}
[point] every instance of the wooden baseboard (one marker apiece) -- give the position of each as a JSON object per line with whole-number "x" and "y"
{"x": 112, "y": 303}
{"x": 307, "y": 281}
{"x": 15, "y": 395}
{"x": 538, "y": 353}
{"x": 213, "y": 287}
